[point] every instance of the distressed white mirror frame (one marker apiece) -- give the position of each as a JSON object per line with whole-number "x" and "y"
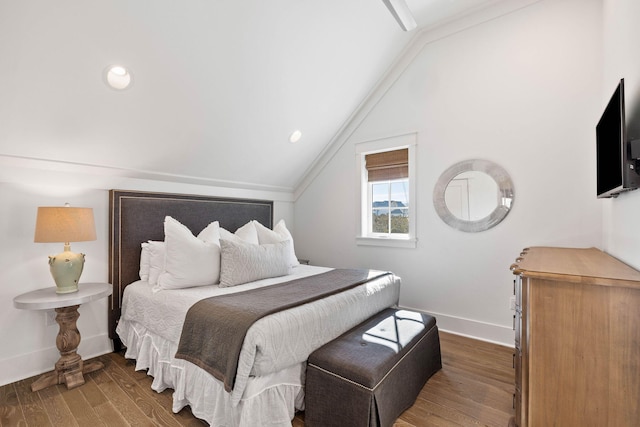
{"x": 505, "y": 199}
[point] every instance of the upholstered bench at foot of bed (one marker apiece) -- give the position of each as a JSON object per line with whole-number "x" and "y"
{"x": 371, "y": 374}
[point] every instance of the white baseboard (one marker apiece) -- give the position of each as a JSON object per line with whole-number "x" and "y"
{"x": 497, "y": 334}
{"x": 41, "y": 361}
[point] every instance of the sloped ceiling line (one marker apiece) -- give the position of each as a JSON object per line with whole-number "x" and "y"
{"x": 404, "y": 60}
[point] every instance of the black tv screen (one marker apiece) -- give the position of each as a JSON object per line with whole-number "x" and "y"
{"x": 610, "y": 143}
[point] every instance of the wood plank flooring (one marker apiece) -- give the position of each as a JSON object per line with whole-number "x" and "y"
{"x": 474, "y": 388}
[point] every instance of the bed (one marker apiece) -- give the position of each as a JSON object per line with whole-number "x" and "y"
{"x": 268, "y": 386}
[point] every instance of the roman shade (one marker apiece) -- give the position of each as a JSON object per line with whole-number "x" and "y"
{"x": 387, "y": 165}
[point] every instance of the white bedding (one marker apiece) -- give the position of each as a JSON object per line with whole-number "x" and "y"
{"x": 269, "y": 383}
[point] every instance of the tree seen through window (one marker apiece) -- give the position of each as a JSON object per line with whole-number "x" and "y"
{"x": 390, "y": 206}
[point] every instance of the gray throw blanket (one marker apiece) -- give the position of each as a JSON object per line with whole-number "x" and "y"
{"x": 215, "y": 327}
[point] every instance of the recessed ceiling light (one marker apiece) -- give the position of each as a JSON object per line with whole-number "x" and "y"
{"x": 295, "y": 136}
{"x": 118, "y": 77}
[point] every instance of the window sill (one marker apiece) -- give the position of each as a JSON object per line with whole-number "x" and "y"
{"x": 388, "y": 242}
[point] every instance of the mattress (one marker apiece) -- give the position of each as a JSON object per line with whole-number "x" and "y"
{"x": 270, "y": 378}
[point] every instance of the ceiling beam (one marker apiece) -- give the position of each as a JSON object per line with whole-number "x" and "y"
{"x": 401, "y": 13}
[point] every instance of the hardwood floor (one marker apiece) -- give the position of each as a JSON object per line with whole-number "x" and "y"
{"x": 474, "y": 388}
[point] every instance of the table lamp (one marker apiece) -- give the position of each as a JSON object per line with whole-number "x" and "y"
{"x": 64, "y": 225}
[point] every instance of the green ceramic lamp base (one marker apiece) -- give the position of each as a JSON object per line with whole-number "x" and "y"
{"x": 66, "y": 268}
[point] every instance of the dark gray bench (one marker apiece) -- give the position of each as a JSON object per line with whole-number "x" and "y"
{"x": 371, "y": 374}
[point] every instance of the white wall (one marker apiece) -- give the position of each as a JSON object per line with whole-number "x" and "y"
{"x": 29, "y": 345}
{"x": 524, "y": 91}
{"x": 621, "y": 225}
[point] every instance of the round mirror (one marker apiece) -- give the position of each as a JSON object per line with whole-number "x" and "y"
{"x": 473, "y": 195}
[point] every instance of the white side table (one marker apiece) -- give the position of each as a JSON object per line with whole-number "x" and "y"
{"x": 70, "y": 368}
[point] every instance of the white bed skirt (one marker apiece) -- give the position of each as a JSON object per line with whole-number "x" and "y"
{"x": 269, "y": 383}
{"x": 274, "y": 397}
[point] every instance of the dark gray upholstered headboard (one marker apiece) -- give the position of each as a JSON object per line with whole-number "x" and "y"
{"x": 135, "y": 217}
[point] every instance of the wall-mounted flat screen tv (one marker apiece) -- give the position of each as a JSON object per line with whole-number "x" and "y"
{"x": 614, "y": 167}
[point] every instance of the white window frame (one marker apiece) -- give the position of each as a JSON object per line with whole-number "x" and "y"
{"x": 365, "y": 237}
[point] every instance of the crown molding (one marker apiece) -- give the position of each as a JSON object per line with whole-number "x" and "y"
{"x": 36, "y": 171}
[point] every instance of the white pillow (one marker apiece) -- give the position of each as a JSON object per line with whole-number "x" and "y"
{"x": 145, "y": 258}
{"x": 156, "y": 260}
{"x": 242, "y": 262}
{"x": 189, "y": 261}
{"x": 278, "y": 234}
{"x": 246, "y": 233}
{"x": 211, "y": 233}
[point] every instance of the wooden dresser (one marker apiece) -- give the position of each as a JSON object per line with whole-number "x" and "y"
{"x": 577, "y": 323}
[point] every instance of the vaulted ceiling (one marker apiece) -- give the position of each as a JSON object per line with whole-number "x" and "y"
{"x": 218, "y": 85}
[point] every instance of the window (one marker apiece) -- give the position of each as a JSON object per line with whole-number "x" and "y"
{"x": 387, "y": 216}
{"x": 387, "y": 192}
